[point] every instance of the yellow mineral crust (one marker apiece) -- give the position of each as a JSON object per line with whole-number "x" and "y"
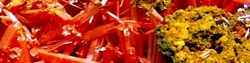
{"x": 196, "y": 35}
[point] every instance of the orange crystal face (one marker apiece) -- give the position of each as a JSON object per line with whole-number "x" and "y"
{"x": 85, "y": 31}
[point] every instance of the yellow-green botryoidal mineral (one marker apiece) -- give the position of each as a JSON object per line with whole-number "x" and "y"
{"x": 200, "y": 35}
{"x": 148, "y": 4}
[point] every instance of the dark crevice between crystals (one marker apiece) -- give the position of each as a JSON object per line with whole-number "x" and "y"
{"x": 238, "y": 41}
{"x": 219, "y": 50}
{"x": 216, "y": 37}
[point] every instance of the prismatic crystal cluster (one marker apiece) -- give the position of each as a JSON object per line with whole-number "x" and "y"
{"x": 80, "y": 31}
{"x": 123, "y": 31}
